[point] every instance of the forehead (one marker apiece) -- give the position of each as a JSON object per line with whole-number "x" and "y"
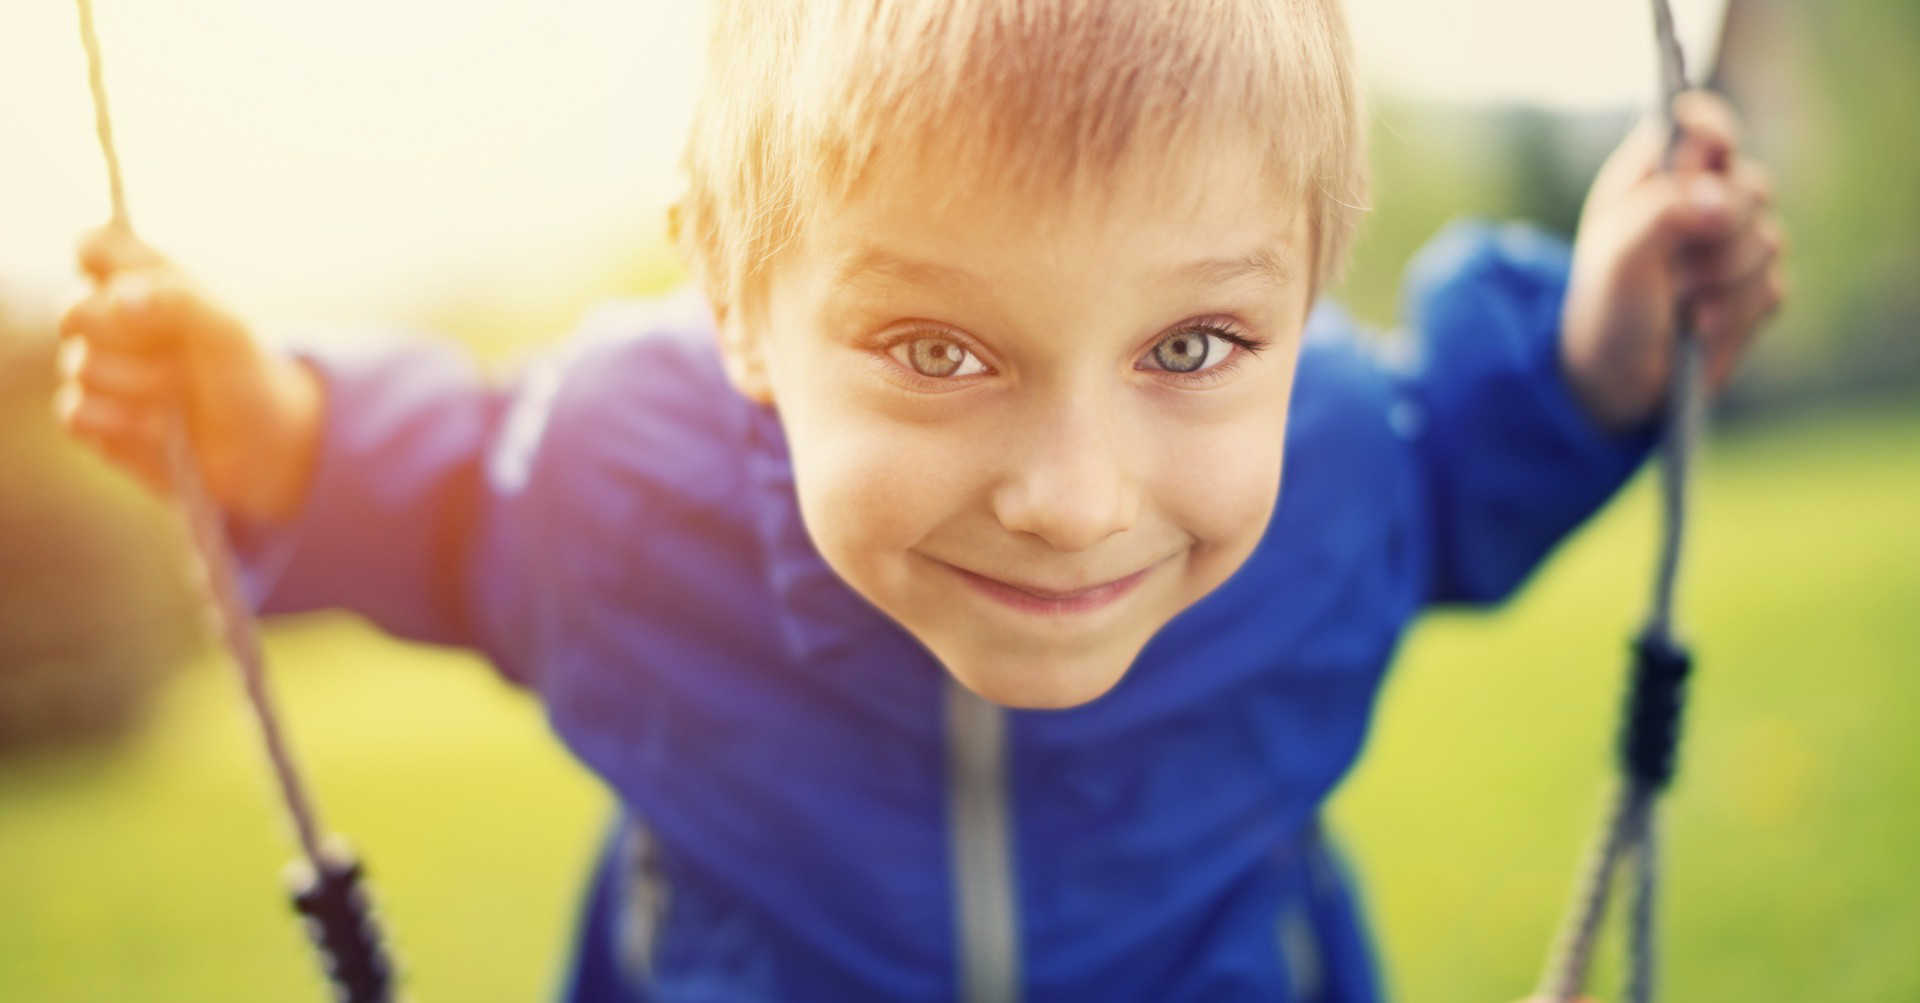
{"x": 876, "y": 261}
{"x": 1191, "y": 219}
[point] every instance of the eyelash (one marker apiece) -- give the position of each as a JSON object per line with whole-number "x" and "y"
{"x": 1225, "y": 368}
{"x": 1201, "y": 378}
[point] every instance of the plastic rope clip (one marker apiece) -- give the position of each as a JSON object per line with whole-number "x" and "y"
{"x": 339, "y": 920}
{"x": 1650, "y": 726}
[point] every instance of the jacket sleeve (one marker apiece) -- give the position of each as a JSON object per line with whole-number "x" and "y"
{"x": 1509, "y": 460}
{"x": 421, "y": 513}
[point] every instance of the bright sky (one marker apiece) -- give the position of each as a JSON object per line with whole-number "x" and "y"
{"x": 304, "y": 155}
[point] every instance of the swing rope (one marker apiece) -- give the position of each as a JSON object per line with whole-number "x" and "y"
{"x": 1650, "y": 726}
{"x": 325, "y": 886}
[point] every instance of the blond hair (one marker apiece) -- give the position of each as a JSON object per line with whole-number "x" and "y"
{"x": 1032, "y": 96}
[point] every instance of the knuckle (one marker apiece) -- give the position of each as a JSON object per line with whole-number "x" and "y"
{"x": 118, "y": 374}
{"x": 1705, "y": 135}
{"x": 131, "y": 294}
{"x": 66, "y": 402}
{"x": 1712, "y": 111}
{"x": 71, "y": 357}
{"x": 1759, "y": 180}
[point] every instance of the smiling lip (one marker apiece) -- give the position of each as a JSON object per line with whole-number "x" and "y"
{"x": 1050, "y": 602}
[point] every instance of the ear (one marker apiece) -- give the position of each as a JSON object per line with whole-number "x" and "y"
{"x": 743, "y": 353}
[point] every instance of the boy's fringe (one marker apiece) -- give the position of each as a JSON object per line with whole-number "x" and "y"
{"x": 804, "y": 99}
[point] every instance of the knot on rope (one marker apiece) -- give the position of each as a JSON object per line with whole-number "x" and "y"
{"x": 1650, "y": 727}
{"x": 340, "y": 923}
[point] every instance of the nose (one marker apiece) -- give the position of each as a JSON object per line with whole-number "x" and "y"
{"x": 1067, "y": 480}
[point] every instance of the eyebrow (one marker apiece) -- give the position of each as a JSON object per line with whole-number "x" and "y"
{"x": 871, "y": 263}
{"x": 1262, "y": 264}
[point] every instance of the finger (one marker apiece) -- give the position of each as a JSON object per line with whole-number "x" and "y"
{"x": 1709, "y": 132}
{"x": 1757, "y": 245}
{"x": 132, "y": 439}
{"x": 1666, "y": 213}
{"x": 1737, "y": 308}
{"x": 1756, "y": 238}
{"x": 100, "y": 417}
{"x": 117, "y": 433}
{"x": 1709, "y": 138}
{"x": 112, "y": 248}
{"x": 1638, "y": 151}
{"x": 125, "y": 375}
{"x": 1728, "y": 323}
{"x": 1752, "y": 176}
{"x": 127, "y": 314}
{"x": 1635, "y": 159}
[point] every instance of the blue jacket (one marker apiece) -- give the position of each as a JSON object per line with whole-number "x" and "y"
{"x": 811, "y": 810}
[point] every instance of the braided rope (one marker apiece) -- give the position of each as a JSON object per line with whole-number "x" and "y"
{"x": 212, "y": 568}
{"x": 102, "y": 123}
{"x": 1642, "y": 945}
{"x": 326, "y": 883}
{"x": 1650, "y": 730}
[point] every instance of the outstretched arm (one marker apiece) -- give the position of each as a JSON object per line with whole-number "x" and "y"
{"x": 385, "y": 480}
{"x": 419, "y": 511}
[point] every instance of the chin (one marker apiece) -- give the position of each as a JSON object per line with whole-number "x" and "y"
{"x": 1040, "y": 680}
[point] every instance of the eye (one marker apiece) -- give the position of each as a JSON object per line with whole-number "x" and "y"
{"x": 1192, "y": 350}
{"x": 936, "y": 358}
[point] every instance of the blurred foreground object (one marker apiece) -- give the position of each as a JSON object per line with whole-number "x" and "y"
{"x": 91, "y": 616}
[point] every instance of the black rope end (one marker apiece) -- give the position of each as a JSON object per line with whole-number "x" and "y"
{"x": 1650, "y": 730}
{"x": 340, "y": 922}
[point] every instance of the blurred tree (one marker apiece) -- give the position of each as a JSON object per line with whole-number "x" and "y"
{"x": 92, "y": 611}
{"x": 1829, "y": 89}
{"x": 1825, "y": 91}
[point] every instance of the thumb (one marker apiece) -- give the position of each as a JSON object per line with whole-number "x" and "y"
{"x": 110, "y": 249}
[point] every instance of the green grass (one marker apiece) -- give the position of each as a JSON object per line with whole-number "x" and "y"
{"x": 149, "y": 871}
{"x": 1789, "y": 834}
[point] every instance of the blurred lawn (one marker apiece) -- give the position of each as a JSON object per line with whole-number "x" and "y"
{"x": 148, "y": 871}
{"x": 1791, "y": 830}
{"x": 151, "y": 871}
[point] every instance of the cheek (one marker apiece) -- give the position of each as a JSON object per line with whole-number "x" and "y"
{"x": 870, "y": 489}
{"x": 1227, "y": 493}
{"x": 1220, "y": 485}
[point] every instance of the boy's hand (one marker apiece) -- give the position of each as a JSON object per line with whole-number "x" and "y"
{"x": 1704, "y": 234}
{"x": 146, "y": 348}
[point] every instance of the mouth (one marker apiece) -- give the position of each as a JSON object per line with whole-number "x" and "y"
{"x": 1053, "y": 602}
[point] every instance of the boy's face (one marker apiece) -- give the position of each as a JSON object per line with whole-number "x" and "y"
{"x": 1026, "y": 432}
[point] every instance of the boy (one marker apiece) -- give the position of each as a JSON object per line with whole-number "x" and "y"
{"x": 1006, "y": 331}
